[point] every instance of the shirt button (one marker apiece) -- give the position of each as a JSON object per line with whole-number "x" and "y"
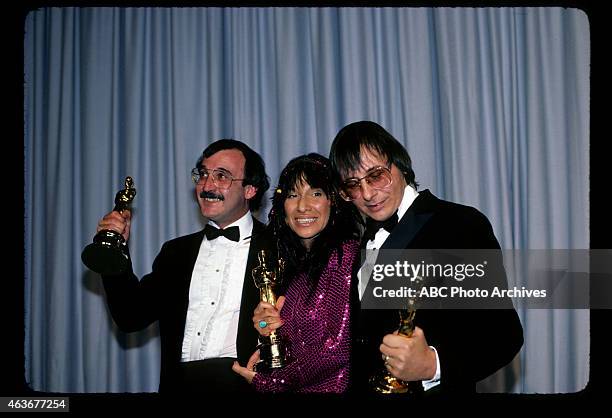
{"x": 198, "y": 333}
{"x": 212, "y": 303}
{"x": 217, "y": 270}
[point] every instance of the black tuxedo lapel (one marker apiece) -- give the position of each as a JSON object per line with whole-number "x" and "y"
{"x": 406, "y": 230}
{"x": 417, "y": 215}
{"x": 246, "y": 340}
{"x": 421, "y": 210}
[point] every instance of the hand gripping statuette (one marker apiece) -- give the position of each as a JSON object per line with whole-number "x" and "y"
{"x": 107, "y": 254}
{"x": 271, "y": 348}
{"x": 384, "y": 382}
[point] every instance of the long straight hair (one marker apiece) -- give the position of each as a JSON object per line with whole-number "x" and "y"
{"x": 344, "y": 220}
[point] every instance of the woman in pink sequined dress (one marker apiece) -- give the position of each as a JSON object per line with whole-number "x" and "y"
{"x": 317, "y": 234}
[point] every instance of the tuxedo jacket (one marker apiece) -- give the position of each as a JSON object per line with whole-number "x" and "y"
{"x": 163, "y": 295}
{"x": 471, "y": 343}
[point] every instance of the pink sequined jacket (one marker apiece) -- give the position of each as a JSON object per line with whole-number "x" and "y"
{"x": 316, "y": 331}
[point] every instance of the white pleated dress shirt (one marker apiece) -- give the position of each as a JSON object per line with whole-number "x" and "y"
{"x": 215, "y": 293}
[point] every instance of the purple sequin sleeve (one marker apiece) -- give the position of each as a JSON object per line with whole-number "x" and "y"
{"x": 316, "y": 331}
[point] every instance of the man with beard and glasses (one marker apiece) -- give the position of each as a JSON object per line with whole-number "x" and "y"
{"x": 200, "y": 288}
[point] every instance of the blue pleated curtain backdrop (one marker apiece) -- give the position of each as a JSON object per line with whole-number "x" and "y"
{"x": 492, "y": 104}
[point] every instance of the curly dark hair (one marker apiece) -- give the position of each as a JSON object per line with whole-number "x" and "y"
{"x": 344, "y": 220}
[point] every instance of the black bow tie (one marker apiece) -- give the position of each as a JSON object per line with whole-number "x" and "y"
{"x": 372, "y": 226}
{"x": 231, "y": 233}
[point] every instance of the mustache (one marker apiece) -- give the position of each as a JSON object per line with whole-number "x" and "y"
{"x": 210, "y": 195}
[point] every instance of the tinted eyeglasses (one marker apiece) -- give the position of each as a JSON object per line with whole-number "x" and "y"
{"x": 378, "y": 178}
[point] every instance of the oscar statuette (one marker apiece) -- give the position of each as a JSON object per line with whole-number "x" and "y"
{"x": 384, "y": 382}
{"x": 107, "y": 254}
{"x": 271, "y": 348}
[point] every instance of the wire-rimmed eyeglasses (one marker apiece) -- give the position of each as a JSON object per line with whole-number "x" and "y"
{"x": 220, "y": 177}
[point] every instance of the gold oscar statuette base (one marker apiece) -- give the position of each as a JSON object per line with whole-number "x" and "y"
{"x": 387, "y": 383}
{"x": 272, "y": 353}
{"x": 107, "y": 254}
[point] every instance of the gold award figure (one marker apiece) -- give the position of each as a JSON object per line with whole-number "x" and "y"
{"x": 271, "y": 348}
{"x": 108, "y": 253}
{"x": 385, "y": 382}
